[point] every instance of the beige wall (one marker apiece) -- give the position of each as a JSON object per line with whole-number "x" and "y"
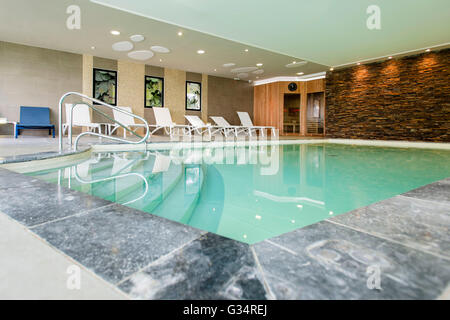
{"x": 31, "y": 76}
{"x": 174, "y": 93}
{"x": 227, "y": 96}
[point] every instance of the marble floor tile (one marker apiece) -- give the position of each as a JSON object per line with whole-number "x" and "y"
{"x": 211, "y": 267}
{"x": 116, "y": 241}
{"x": 10, "y": 179}
{"x": 410, "y": 221}
{"x": 326, "y": 261}
{"x": 32, "y": 202}
{"x": 438, "y": 191}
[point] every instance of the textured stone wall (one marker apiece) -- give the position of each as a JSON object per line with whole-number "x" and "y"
{"x": 399, "y": 99}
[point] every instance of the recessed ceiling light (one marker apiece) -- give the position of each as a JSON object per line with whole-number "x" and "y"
{"x": 246, "y": 50}
{"x": 215, "y": 69}
{"x": 359, "y": 63}
{"x": 259, "y": 64}
{"x": 200, "y": 51}
{"x": 180, "y": 33}
{"x": 428, "y": 50}
{"x": 115, "y": 32}
{"x": 92, "y": 48}
{"x": 160, "y": 60}
{"x": 300, "y": 73}
{"x": 331, "y": 69}
{"x": 389, "y": 57}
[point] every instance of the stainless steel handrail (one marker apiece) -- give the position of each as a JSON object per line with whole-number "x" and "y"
{"x": 61, "y": 148}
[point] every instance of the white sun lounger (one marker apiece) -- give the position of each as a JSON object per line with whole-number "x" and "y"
{"x": 164, "y": 121}
{"x": 81, "y": 118}
{"x": 198, "y": 126}
{"x": 247, "y": 122}
{"x": 126, "y": 120}
{"x": 227, "y": 128}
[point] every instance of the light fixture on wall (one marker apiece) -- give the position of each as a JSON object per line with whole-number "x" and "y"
{"x": 200, "y": 51}
{"x": 115, "y": 32}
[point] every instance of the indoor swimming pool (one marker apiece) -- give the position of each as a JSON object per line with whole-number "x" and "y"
{"x": 252, "y": 193}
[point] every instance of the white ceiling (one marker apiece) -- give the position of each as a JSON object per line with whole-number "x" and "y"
{"x": 325, "y": 33}
{"x": 43, "y": 23}
{"x": 329, "y": 32}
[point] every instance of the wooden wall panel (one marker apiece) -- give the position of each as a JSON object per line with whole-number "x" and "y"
{"x": 315, "y": 86}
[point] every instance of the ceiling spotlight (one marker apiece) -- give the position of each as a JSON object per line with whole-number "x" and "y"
{"x": 359, "y": 63}
{"x": 160, "y": 60}
{"x": 180, "y": 33}
{"x": 300, "y": 73}
{"x": 215, "y": 69}
{"x": 92, "y": 48}
{"x": 246, "y": 50}
{"x": 390, "y": 57}
{"x": 200, "y": 51}
{"x": 294, "y": 62}
{"x": 259, "y": 64}
{"x": 428, "y": 50}
{"x": 331, "y": 69}
{"x": 115, "y": 32}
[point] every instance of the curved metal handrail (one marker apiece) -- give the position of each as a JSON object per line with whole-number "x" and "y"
{"x": 123, "y": 175}
{"x": 142, "y": 140}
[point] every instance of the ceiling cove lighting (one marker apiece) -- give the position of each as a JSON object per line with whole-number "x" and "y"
{"x": 200, "y": 51}
{"x": 115, "y": 32}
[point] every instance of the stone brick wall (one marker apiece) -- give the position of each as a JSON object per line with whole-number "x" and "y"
{"x": 399, "y": 99}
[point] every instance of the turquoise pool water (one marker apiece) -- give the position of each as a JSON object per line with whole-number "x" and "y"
{"x": 253, "y": 193}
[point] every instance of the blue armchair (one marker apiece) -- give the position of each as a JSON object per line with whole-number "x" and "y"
{"x": 34, "y": 118}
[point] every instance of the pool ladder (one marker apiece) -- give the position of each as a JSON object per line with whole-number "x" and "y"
{"x": 75, "y": 145}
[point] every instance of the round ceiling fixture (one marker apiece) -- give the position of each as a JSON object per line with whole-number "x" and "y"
{"x": 228, "y": 65}
{"x": 260, "y": 71}
{"x": 296, "y": 64}
{"x": 244, "y": 69}
{"x": 160, "y": 49}
{"x": 141, "y": 55}
{"x": 122, "y": 46}
{"x": 242, "y": 75}
{"x": 137, "y": 38}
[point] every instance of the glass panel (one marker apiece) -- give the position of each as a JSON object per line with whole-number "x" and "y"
{"x": 315, "y": 114}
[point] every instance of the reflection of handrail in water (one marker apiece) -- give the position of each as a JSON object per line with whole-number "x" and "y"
{"x": 287, "y": 199}
{"x": 115, "y": 177}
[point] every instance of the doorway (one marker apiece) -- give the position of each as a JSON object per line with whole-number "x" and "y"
{"x": 291, "y": 113}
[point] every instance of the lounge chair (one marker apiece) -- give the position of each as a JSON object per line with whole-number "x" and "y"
{"x": 247, "y": 122}
{"x": 81, "y": 118}
{"x": 164, "y": 121}
{"x": 34, "y": 118}
{"x": 227, "y": 128}
{"x": 125, "y": 120}
{"x": 198, "y": 126}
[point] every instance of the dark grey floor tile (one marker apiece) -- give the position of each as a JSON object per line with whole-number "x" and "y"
{"x": 211, "y": 267}
{"x": 116, "y": 241}
{"x": 38, "y": 202}
{"x": 326, "y": 261}
{"x": 413, "y": 222}
{"x": 10, "y": 179}
{"x": 437, "y": 191}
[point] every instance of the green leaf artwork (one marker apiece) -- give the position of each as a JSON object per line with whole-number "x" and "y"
{"x": 193, "y": 95}
{"x": 105, "y": 86}
{"x": 154, "y": 92}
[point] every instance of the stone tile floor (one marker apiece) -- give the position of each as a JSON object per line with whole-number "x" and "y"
{"x": 148, "y": 257}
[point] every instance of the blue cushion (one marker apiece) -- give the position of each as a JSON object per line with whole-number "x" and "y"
{"x": 36, "y": 116}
